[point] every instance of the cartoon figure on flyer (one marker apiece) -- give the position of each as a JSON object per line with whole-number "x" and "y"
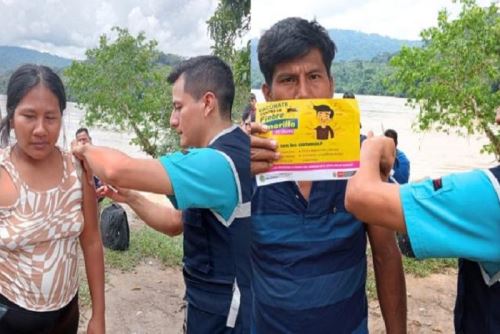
{"x": 324, "y": 114}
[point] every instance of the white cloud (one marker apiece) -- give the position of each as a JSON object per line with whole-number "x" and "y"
{"x": 403, "y": 19}
{"x": 68, "y": 28}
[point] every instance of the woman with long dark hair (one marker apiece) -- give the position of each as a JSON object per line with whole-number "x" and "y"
{"x": 47, "y": 207}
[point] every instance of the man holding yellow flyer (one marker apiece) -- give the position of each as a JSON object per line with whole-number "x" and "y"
{"x": 313, "y": 144}
{"x": 308, "y": 252}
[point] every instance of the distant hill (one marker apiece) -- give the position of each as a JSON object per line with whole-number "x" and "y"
{"x": 355, "y": 45}
{"x": 11, "y": 57}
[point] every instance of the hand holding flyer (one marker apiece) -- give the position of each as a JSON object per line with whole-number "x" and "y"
{"x": 317, "y": 139}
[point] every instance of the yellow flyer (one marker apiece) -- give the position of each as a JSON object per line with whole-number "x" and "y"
{"x": 317, "y": 139}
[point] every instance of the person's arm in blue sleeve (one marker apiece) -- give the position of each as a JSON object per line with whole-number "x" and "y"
{"x": 159, "y": 215}
{"x": 457, "y": 215}
{"x": 203, "y": 178}
{"x": 433, "y": 227}
{"x": 116, "y": 168}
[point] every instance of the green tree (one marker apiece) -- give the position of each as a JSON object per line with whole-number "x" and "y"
{"x": 230, "y": 22}
{"x": 455, "y": 76}
{"x": 121, "y": 86}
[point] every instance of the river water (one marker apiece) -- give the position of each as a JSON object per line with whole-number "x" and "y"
{"x": 431, "y": 153}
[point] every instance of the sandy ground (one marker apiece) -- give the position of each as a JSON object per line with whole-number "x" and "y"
{"x": 430, "y": 305}
{"x": 149, "y": 300}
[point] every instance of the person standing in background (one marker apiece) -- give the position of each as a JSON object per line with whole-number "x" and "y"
{"x": 401, "y": 165}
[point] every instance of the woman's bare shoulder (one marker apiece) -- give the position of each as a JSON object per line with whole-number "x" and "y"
{"x": 8, "y": 195}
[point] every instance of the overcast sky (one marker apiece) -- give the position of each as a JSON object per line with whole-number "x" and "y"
{"x": 402, "y": 19}
{"x": 68, "y": 27}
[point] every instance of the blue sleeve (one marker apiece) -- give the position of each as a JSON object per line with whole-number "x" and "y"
{"x": 455, "y": 216}
{"x": 203, "y": 178}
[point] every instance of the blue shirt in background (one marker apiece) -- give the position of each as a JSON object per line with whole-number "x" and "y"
{"x": 401, "y": 167}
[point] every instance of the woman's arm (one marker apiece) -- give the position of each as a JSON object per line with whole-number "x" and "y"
{"x": 90, "y": 241}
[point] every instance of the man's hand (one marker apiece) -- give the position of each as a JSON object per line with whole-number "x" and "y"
{"x": 262, "y": 150}
{"x": 381, "y": 149}
{"x": 77, "y": 149}
{"x": 117, "y": 194}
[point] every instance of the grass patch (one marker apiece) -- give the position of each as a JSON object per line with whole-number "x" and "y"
{"x": 423, "y": 268}
{"x": 146, "y": 243}
{"x": 371, "y": 287}
{"x": 419, "y": 268}
{"x": 83, "y": 291}
{"x": 105, "y": 202}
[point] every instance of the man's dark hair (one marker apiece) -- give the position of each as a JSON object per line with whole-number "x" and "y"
{"x": 291, "y": 38}
{"x": 80, "y": 130}
{"x": 348, "y": 95}
{"x": 392, "y": 134}
{"x": 207, "y": 74}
